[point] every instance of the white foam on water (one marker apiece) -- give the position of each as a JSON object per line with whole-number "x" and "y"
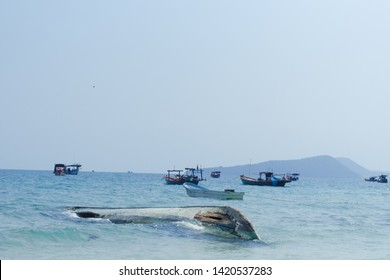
{"x": 191, "y": 225}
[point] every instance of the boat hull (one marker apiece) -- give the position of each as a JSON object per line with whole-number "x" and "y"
{"x": 223, "y": 220}
{"x": 196, "y": 191}
{"x": 256, "y": 182}
{"x": 72, "y": 172}
{"x": 180, "y": 181}
{"x": 173, "y": 181}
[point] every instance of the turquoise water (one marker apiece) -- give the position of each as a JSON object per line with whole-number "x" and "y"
{"x": 308, "y": 219}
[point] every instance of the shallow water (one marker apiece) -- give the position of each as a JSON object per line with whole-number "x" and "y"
{"x": 307, "y": 219}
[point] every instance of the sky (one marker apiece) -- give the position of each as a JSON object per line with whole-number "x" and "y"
{"x": 147, "y": 86}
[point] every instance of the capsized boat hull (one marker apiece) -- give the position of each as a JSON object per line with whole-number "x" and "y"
{"x": 223, "y": 218}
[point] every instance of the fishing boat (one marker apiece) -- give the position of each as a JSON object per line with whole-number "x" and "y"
{"x": 174, "y": 177}
{"x": 61, "y": 169}
{"x": 292, "y": 176}
{"x": 266, "y": 179}
{"x": 194, "y": 190}
{"x": 215, "y": 174}
{"x": 378, "y": 179}
{"x": 192, "y": 175}
{"x": 73, "y": 169}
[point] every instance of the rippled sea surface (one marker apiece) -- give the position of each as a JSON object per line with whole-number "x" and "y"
{"x": 310, "y": 219}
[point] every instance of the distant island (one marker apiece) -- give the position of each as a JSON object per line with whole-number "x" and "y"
{"x": 323, "y": 166}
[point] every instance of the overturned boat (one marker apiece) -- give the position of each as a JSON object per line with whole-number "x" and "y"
{"x": 223, "y": 220}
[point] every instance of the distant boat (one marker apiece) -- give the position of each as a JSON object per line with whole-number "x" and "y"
{"x": 73, "y": 169}
{"x": 59, "y": 169}
{"x": 293, "y": 176}
{"x": 379, "y": 179}
{"x": 215, "y": 174}
{"x": 194, "y": 190}
{"x": 62, "y": 169}
{"x": 266, "y": 179}
{"x": 192, "y": 175}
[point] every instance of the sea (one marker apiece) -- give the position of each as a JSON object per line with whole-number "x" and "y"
{"x": 309, "y": 219}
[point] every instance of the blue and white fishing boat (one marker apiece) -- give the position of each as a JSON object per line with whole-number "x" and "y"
{"x": 73, "y": 169}
{"x": 266, "y": 179}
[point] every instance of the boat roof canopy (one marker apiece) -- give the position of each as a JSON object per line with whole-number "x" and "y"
{"x": 193, "y": 169}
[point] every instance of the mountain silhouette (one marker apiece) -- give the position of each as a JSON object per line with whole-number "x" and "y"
{"x": 323, "y": 166}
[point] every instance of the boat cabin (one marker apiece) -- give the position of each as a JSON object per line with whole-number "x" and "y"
{"x": 73, "y": 169}
{"x": 59, "y": 169}
{"x": 194, "y": 173}
{"x": 266, "y": 176}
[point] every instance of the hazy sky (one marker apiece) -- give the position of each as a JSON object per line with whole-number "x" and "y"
{"x": 151, "y": 85}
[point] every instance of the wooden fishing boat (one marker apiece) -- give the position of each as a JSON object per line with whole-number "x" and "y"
{"x": 59, "y": 169}
{"x": 194, "y": 190}
{"x": 266, "y": 179}
{"x": 192, "y": 175}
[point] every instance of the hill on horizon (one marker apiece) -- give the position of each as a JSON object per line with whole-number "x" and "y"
{"x": 323, "y": 166}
